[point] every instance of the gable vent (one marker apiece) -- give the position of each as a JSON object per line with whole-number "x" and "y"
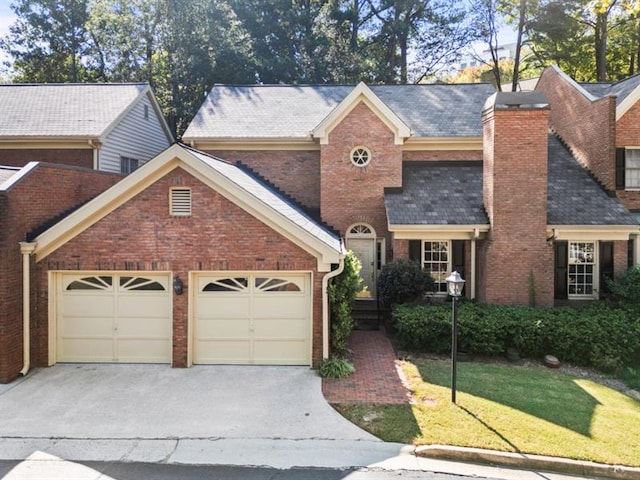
{"x": 180, "y": 204}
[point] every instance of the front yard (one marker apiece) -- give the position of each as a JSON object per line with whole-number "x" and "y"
{"x": 506, "y": 407}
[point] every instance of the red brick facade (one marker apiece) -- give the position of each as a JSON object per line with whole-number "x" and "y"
{"x": 141, "y": 235}
{"x": 515, "y": 253}
{"x": 69, "y": 156}
{"x": 350, "y": 194}
{"x": 47, "y": 191}
{"x": 296, "y": 173}
{"x": 628, "y": 135}
{"x": 587, "y": 127}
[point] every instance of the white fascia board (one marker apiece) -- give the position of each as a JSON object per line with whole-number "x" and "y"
{"x": 362, "y": 93}
{"x": 253, "y": 143}
{"x": 438, "y": 232}
{"x": 627, "y": 103}
{"x": 325, "y": 254}
{"x": 442, "y": 143}
{"x": 592, "y": 232}
{"x": 40, "y": 143}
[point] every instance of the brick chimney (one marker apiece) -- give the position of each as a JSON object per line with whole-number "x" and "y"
{"x": 515, "y": 260}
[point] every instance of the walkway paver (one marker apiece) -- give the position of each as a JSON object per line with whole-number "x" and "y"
{"x": 377, "y": 378}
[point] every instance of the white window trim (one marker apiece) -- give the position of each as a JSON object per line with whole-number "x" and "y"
{"x": 630, "y": 188}
{"x": 596, "y": 272}
{"x": 352, "y": 156}
{"x": 449, "y": 261}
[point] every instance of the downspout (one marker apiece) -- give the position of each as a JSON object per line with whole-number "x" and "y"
{"x": 325, "y": 307}
{"x": 26, "y": 249}
{"x": 96, "y": 154}
{"x": 476, "y": 235}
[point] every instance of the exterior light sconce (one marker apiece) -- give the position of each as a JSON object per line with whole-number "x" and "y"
{"x": 455, "y": 284}
{"x": 178, "y": 286}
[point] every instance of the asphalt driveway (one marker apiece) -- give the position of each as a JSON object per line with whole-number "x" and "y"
{"x": 158, "y": 402}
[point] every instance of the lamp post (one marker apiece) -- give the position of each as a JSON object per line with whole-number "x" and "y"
{"x": 455, "y": 284}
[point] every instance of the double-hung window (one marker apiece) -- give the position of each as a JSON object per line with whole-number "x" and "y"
{"x": 582, "y": 268}
{"x": 632, "y": 169}
{"x": 436, "y": 258}
{"x": 128, "y": 164}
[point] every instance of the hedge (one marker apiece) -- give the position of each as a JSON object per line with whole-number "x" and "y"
{"x": 600, "y": 336}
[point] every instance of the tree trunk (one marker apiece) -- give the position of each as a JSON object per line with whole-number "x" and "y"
{"x": 601, "y": 47}
{"x": 516, "y": 61}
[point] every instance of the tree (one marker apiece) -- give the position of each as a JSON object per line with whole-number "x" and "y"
{"x": 49, "y": 40}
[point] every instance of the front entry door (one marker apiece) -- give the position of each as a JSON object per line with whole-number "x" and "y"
{"x": 365, "y": 250}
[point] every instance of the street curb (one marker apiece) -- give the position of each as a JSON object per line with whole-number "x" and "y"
{"x": 528, "y": 462}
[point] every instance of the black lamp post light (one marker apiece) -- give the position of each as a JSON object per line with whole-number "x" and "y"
{"x": 455, "y": 284}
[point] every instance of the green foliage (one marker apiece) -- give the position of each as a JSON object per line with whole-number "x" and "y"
{"x": 626, "y": 289}
{"x": 401, "y": 281}
{"x": 335, "y": 367}
{"x": 599, "y": 336}
{"x": 342, "y": 293}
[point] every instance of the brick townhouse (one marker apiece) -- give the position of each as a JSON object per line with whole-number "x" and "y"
{"x": 219, "y": 250}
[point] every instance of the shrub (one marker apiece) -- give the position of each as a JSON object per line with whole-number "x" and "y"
{"x": 626, "y": 288}
{"x": 342, "y": 293}
{"x": 336, "y": 368}
{"x": 599, "y": 336}
{"x": 402, "y": 281}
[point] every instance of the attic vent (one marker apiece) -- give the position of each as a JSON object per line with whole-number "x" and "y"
{"x": 180, "y": 203}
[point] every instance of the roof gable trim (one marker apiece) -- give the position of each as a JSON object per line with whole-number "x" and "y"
{"x": 362, "y": 93}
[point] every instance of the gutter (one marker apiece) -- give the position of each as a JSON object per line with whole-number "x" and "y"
{"x": 325, "y": 307}
{"x": 26, "y": 249}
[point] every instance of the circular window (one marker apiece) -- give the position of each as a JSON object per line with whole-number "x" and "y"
{"x": 360, "y": 156}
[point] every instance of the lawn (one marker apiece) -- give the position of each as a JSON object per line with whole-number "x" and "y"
{"x": 509, "y": 408}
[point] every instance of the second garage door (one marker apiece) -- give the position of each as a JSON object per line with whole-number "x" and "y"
{"x": 251, "y": 318}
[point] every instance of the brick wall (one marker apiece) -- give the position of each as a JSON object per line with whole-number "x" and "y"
{"x": 351, "y": 194}
{"x": 71, "y": 157}
{"x": 588, "y": 128}
{"x": 141, "y": 235}
{"x": 297, "y": 173}
{"x": 45, "y": 192}
{"x": 515, "y": 197}
{"x": 628, "y": 135}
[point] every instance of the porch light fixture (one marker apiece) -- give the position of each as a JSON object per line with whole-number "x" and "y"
{"x": 178, "y": 286}
{"x": 455, "y": 284}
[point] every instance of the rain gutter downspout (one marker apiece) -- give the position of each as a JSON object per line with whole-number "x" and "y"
{"x": 476, "y": 235}
{"x": 26, "y": 248}
{"x": 96, "y": 153}
{"x": 325, "y": 307}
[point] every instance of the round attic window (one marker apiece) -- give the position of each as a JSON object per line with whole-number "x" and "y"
{"x": 360, "y": 156}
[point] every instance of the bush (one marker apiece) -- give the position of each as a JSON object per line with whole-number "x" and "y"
{"x": 336, "y": 368}
{"x": 402, "y": 281}
{"x": 599, "y": 336}
{"x": 626, "y": 289}
{"x": 342, "y": 293}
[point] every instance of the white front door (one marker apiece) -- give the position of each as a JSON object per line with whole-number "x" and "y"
{"x": 365, "y": 250}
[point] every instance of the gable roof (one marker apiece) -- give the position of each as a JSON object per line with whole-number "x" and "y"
{"x": 225, "y": 178}
{"x": 70, "y": 111}
{"x": 295, "y": 111}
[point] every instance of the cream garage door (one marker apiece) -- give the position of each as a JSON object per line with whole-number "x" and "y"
{"x": 253, "y": 318}
{"x": 113, "y": 317}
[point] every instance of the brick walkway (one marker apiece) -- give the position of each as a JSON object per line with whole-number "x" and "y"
{"x": 376, "y": 379}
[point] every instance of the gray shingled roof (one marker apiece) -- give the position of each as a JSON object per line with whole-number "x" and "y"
{"x": 63, "y": 110}
{"x": 425, "y": 185}
{"x": 288, "y": 111}
{"x": 269, "y": 197}
{"x": 620, "y": 89}
{"x": 574, "y": 197}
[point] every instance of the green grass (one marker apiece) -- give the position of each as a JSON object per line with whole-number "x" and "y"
{"x": 509, "y": 408}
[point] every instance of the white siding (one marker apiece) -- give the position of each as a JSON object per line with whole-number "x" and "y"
{"x": 134, "y": 137}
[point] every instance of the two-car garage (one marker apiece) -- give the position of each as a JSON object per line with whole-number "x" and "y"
{"x": 238, "y": 318}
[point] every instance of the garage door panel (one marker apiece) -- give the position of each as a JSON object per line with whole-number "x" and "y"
{"x": 79, "y": 305}
{"x": 280, "y": 351}
{"x": 141, "y": 306}
{"x": 86, "y": 350}
{"x": 144, "y": 327}
{"x": 224, "y": 328}
{"x": 224, "y": 352}
{"x": 87, "y": 327}
{"x": 282, "y": 306}
{"x": 214, "y": 305}
{"x": 280, "y": 328}
{"x": 143, "y": 350}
